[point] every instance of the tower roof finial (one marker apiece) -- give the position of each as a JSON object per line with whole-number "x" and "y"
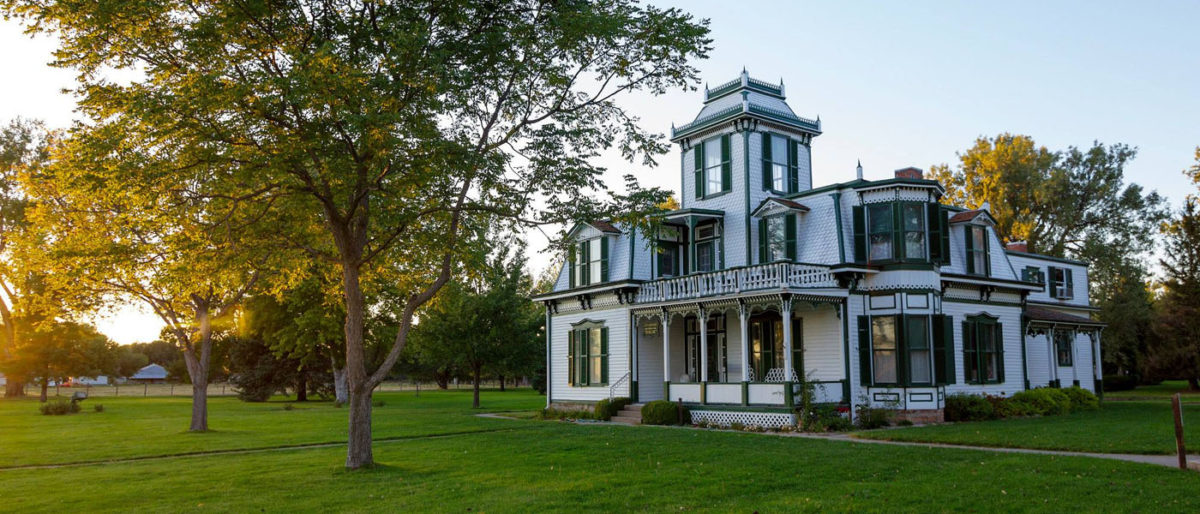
{"x": 859, "y": 169}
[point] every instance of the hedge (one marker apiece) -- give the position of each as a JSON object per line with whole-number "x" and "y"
{"x": 606, "y": 408}
{"x": 661, "y": 412}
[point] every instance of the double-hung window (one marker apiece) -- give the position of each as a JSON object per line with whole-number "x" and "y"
{"x": 880, "y": 235}
{"x": 669, "y": 256}
{"x": 589, "y": 262}
{"x": 913, "y": 215}
{"x": 983, "y": 350}
{"x": 587, "y": 355}
{"x": 708, "y": 248}
{"x": 713, "y": 167}
{"x": 1061, "y": 283}
{"x": 776, "y": 238}
{"x": 906, "y": 350}
{"x": 1063, "y": 347}
{"x": 780, "y": 171}
{"x": 977, "y": 250}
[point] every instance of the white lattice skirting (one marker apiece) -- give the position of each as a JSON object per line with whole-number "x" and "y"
{"x": 727, "y": 417}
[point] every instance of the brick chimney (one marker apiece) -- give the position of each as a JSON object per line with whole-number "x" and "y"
{"x": 909, "y": 172}
{"x": 1017, "y": 246}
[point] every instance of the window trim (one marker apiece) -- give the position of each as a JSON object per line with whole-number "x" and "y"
{"x": 1068, "y": 341}
{"x": 971, "y": 325}
{"x": 580, "y": 357}
{"x": 701, "y": 169}
{"x": 971, "y": 251}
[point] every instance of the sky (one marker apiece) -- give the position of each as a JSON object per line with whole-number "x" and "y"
{"x": 895, "y": 84}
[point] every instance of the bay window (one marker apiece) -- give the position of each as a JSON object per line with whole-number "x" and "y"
{"x": 905, "y": 350}
{"x": 880, "y": 218}
{"x": 913, "y": 215}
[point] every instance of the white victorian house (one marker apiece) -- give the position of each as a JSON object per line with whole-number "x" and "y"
{"x": 872, "y": 291}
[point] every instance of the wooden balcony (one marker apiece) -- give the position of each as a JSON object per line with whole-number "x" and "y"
{"x": 779, "y": 276}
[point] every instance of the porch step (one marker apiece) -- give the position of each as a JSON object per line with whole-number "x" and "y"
{"x": 630, "y": 415}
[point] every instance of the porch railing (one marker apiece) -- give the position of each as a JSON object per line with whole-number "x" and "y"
{"x": 612, "y": 389}
{"x": 779, "y": 275}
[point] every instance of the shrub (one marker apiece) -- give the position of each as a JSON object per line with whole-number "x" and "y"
{"x": 1016, "y": 408}
{"x": 98, "y": 407}
{"x": 606, "y": 408}
{"x": 968, "y": 407}
{"x": 58, "y": 407}
{"x": 1119, "y": 382}
{"x": 564, "y": 414}
{"x": 1045, "y": 401}
{"x": 1081, "y": 399}
{"x": 662, "y": 412}
{"x": 904, "y": 423}
{"x": 289, "y": 407}
{"x": 870, "y": 418}
{"x": 823, "y": 418}
{"x": 377, "y": 403}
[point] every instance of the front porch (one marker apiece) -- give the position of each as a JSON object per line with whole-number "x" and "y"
{"x": 739, "y": 352}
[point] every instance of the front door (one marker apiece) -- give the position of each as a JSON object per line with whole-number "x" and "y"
{"x": 766, "y": 346}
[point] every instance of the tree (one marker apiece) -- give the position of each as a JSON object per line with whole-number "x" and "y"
{"x": 1177, "y": 350}
{"x": 138, "y": 220}
{"x": 486, "y": 323}
{"x": 129, "y": 361}
{"x": 56, "y": 351}
{"x": 398, "y": 124}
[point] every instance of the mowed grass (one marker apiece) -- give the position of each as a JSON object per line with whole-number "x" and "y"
{"x": 554, "y": 466}
{"x": 1163, "y": 391}
{"x": 467, "y": 463}
{"x": 140, "y": 427}
{"x": 1118, "y": 427}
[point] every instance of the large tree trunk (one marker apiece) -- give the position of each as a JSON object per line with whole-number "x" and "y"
{"x": 341, "y": 393}
{"x": 45, "y": 386}
{"x": 358, "y": 445}
{"x": 301, "y": 388}
{"x": 197, "y": 365}
{"x": 442, "y": 378}
{"x": 475, "y": 378}
{"x": 502, "y": 383}
{"x": 1193, "y": 384}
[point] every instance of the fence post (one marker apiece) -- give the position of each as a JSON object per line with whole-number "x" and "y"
{"x": 172, "y": 388}
{"x": 1178, "y": 411}
{"x": 145, "y": 389}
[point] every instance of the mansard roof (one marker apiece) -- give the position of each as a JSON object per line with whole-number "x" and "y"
{"x": 746, "y": 97}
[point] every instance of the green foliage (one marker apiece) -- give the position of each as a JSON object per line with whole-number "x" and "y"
{"x": 1016, "y": 408}
{"x": 968, "y": 407}
{"x": 1176, "y": 352}
{"x": 869, "y": 418}
{"x": 823, "y": 418}
{"x": 58, "y": 407}
{"x": 1119, "y": 382}
{"x": 605, "y": 409}
{"x": 99, "y": 407}
{"x": 661, "y": 412}
{"x": 56, "y": 351}
{"x": 1045, "y": 401}
{"x": 1081, "y": 399}
{"x": 565, "y": 414}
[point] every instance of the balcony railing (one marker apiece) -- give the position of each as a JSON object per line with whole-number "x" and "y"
{"x": 775, "y": 276}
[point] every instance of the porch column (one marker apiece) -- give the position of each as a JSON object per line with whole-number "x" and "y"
{"x": 744, "y": 332}
{"x": 1052, "y": 360}
{"x": 703, "y": 345}
{"x": 1097, "y": 365}
{"x": 635, "y": 344}
{"x": 665, "y": 319}
{"x": 786, "y": 314}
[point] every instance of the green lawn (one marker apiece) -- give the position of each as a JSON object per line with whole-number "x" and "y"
{"x": 1118, "y": 427}
{"x": 1162, "y": 391}
{"x": 523, "y": 466}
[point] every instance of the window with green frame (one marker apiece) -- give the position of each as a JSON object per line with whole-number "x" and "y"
{"x": 890, "y": 232}
{"x": 905, "y": 350}
{"x": 780, "y": 170}
{"x": 587, "y": 355}
{"x": 777, "y": 238}
{"x": 983, "y": 350}
{"x": 588, "y": 262}
{"x": 978, "y": 258}
{"x": 1063, "y": 347}
{"x": 712, "y": 167}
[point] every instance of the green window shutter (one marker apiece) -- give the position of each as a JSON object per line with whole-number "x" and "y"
{"x": 604, "y": 259}
{"x": 864, "y": 350}
{"x": 726, "y": 164}
{"x": 574, "y": 281}
{"x": 897, "y": 231}
{"x": 793, "y": 177}
{"x": 1000, "y": 351}
{"x": 970, "y": 249}
{"x": 944, "y": 227}
{"x": 571, "y": 358}
{"x": 970, "y": 357}
{"x": 584, "y": 356}
{"x": 943, "y": 349}
{"x": 1070, "y": 283}
{"x": 932, "y": 211}
{"x": 789, "y": 226}
{"x": 766, "y": 161}
{"x": 987, "y": 254}
{"x": 762, "y": 240}
{"x": 585, "y": 250}
{"x": 699, "y": 172}
{"x": 860, "y": 234}
{"x": 604, "y": 355}
{"x": 1053, "y": 272}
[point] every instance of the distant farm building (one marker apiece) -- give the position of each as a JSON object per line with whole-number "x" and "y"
{"x": 152, "y": 374}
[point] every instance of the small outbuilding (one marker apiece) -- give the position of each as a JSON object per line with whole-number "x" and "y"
{"x": 152, "y": 374}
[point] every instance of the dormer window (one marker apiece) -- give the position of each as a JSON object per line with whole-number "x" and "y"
{"x": 978, "y": 260}
{"x": 589, "y": 262}
{"x": 1062, "y": 285}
